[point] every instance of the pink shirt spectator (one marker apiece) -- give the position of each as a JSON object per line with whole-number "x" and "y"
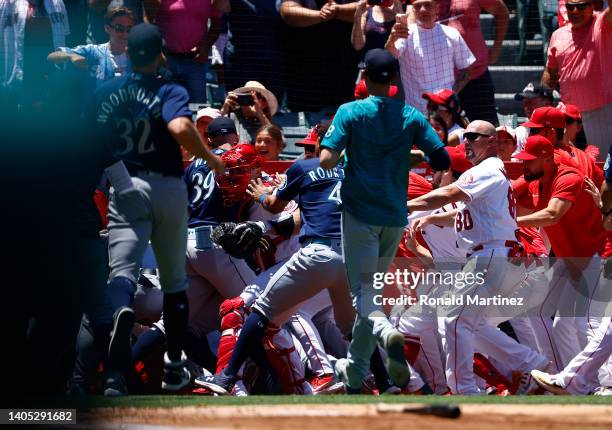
{"x": 468, "y": 25}
{"x": 583, "y": 59}
{"x": 184, "y": 23}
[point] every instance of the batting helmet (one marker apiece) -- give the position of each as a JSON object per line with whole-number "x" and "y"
{"x": 242, "y": 163}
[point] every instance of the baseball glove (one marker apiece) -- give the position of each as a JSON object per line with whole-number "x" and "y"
{"x": 238, "y": 240}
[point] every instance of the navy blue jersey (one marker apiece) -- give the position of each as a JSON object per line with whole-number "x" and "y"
{"x": 132, "y": 115}
{"x": 317, "y": 192}
{"x": 205, "y": 199}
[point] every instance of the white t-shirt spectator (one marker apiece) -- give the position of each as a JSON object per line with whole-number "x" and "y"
{"x": 458, "y": 130}
{"x": 428, "y": 59}
{"x": 522, "y": 133}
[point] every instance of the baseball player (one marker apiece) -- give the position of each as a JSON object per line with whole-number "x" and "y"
{"x": 562, "y": 204}
{"x": 485, "y": 225}
{"x": 443, "y": 254}
{"x": 142, "y": 118}
{"x": 319, "y": 258}
{"x": 577, "y": 377}
{"x": 378, "y": 134}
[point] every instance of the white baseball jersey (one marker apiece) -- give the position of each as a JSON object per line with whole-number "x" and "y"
{"x": 442, "y": 241}
{"x": 490, "y": 214}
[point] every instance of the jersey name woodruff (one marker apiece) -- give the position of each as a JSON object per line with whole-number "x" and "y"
{"x": 131, "y": 94}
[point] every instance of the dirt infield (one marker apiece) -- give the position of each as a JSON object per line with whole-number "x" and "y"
{"x": 351, "y": 417}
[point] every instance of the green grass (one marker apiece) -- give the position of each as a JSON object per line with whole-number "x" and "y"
{"x": 167, "y": 401}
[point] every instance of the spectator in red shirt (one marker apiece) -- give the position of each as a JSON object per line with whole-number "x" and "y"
{"x": 550, "y": 123}
{"x": 478, "y": 96}
{"x": 574, "y": 132}
{"x": 579, "y": 61}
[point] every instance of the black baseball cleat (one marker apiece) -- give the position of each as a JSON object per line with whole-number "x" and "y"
{"x": 114, "y": 385}
{"x": 220, "y": 383}
{"x": 396, "y": 362}
{"x": 176, "y": 375}
{"x": 120, "y": 346}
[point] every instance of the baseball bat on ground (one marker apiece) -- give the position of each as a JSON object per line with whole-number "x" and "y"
{"x": 442, "y": 411}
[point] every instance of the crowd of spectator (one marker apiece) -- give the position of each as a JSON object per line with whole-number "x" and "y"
{"x": 304, "y": 55}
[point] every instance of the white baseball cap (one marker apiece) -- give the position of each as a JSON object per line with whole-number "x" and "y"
{"x": 508, "y": 130}
{"x": 209, "y": 112}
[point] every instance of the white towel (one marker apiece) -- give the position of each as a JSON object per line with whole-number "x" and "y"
{"x": 8, "y": 46}
{"x": 56, "y": 10}
{"x": 13, "y": 14}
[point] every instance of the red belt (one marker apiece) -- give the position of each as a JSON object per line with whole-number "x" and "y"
{"x": 507, "y": 244}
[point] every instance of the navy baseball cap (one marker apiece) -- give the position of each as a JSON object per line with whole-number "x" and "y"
{"x": 145, "y": 42}
{"x": 533, "y": 90}
{"x": 380, "y": 65}
{"x": 220, "y": 126}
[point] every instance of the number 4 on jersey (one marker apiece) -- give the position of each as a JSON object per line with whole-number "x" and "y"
{"x": 335, "y": 194}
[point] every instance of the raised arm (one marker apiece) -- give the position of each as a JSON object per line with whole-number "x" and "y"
{"x": 185, "y": 133}
{"x": 358, "y": 38}
{"x": 296, "y": 15}
{"x": 502, "y": 18}
{"x": 59, "y": 57}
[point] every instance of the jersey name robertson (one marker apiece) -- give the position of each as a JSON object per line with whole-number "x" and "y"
{"x": 321, "y": 173}
{"x": 490, "y": 214}
{"x": 318, "y": 190}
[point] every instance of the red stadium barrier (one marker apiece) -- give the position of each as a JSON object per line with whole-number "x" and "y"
{"x": 513, "y": 169}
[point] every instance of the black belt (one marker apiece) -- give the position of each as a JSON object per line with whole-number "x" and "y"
{"x": 145, "y": 172}
{"x": 187, "y": 55}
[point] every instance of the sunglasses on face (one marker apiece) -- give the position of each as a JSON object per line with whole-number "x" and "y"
{"x": 534, "y": 131}
{"x": 309, "y": 149}
{"x": 434, "y": 107}
{"x": 570, "y": 121}
{"x": 120, "y": 28}
{"x": 580, "y": 6}
{"x": 471, "y": 135}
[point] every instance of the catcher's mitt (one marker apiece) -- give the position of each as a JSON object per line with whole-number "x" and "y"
{"x": 238, "y": 240}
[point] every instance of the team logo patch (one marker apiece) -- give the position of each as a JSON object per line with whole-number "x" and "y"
{"x": 607, "y": 163}
{"x": 466, "y": 179}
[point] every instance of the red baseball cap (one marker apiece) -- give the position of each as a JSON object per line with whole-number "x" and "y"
{"x": 441, "y": 97}
{"x": 536, "y": 146}
{"x": 311, "y": 138}
{"x": 570, "y": 111}
{"x": 361, "y": 91}
{"x": 457, "y": 156}
{"x": 546, "y": 116}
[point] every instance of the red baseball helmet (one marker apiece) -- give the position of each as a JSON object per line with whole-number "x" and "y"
{"x": 242, "y": 163}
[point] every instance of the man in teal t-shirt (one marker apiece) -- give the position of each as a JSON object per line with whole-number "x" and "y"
{"x": 378, "y": 134}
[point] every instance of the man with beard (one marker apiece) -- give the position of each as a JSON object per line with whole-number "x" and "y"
{"x": 565, "y": 209}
